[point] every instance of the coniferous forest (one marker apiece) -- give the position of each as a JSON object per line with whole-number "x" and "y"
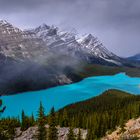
{"x": 102, "y": 113}
{"x": 98, "y": 115}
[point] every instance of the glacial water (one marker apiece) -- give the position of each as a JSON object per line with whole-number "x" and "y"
{"x": 63, "y": 95}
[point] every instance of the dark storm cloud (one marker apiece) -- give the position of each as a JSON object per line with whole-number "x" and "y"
{"x": 19, "y": 5}
{"x": 8, "y": 5}
{"x": 115, "y": 22}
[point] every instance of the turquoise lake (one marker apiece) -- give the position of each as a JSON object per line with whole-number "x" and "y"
{"x": 63, "y": 95}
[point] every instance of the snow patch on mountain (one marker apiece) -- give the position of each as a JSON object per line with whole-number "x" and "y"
{"x": 20, "y": 44}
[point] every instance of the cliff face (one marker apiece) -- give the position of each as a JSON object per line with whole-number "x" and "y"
{"x": 31, "y": 133}
{"x": 131, "y": 131}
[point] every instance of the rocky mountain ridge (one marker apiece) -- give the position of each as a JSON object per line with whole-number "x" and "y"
{"x": 19, "y": 44}
{"x": 88, "y": 48}
{"x": 44, "y": 40}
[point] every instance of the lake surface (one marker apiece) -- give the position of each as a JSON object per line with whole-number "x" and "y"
{"x": 63, "y": 95}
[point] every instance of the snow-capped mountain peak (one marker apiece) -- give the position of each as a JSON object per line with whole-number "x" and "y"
{"x": 87, "y": 47}
{"x": 44, "y": 32}
{"x": 42, "y": 27}
{"x": 92, "y": 43}
{"x": 9, "y": 27}
{"x": 18, "y": 44}
{"x": 86, "y": 39}
{"x": 2, "y": 22}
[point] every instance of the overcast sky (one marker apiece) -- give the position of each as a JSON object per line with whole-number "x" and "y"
{"x": 115, "y": 22}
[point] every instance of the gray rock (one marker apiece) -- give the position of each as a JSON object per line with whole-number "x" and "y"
{"x": 31, "y": 133}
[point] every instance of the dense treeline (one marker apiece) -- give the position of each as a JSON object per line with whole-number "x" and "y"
{"x": 101, "y": 113}
{"x": 98, "y": 70}
{"x": 98, "y": 115}
{"x": 8, "y": 126}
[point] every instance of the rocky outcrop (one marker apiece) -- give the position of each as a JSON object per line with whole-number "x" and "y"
{"x": 31, "y": 133}
{"x": 131, "y": 131}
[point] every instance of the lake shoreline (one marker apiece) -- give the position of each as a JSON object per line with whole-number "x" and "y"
{"x": 63, "y": 95}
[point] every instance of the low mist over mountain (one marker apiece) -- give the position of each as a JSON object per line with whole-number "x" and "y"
{"x": 47, "y": 56}
{"x": 45, "y": 41}
{"x": 86, "y": 48}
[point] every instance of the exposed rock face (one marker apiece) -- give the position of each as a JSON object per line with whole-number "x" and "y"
{"x": 23, "y": 53}
{"x": 31, "y": 133}
{"x": 63, "y": 132}
{"x": 131, "y": 131}
{"x": 19, "y": 44}
{"x": 88, "y": 48}
{"x": 64, "y": 79}
{"x": 41, "y": 41}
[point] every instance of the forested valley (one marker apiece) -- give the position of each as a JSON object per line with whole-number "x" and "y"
{"x": 98, "y": 115}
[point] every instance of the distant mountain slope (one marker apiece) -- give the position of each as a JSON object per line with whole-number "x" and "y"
{"x": 96, "y": 70}
{"x": 135, "y": 57}
{"x": 39, "y": 43}
{"x": 88, "y": 48}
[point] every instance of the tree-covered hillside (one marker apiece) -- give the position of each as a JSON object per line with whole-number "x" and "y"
{"x": 98, "y": 115}
{"x": 101, "y": 113}
{"x": 97, "y": 70}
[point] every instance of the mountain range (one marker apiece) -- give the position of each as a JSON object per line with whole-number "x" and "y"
{"x": 86, "y": 48}
{"x": 43, "y": 40}
{"x": 47, "y": 56}
{"x": 135, "y": 57}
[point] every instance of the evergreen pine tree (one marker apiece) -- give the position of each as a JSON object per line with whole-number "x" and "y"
{"x": 52, "y": 126}
{"x": 2, "y": 135}
{"x": 0, "y": 105}
{"x": 65, "y": 119}
{"x": 90, "y": 135}
{"x": 79, "y": 135}
{"x": 11, "y": 130}
{"x": 32, "y": 120}
{"x": 71, "y": 134}
{"x": 23, "y": 121}
{"x": 42, "y": 134}
{"x": 2, "y": 109}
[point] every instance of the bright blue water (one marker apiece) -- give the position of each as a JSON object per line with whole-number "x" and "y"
{"x": 63, "y": 95}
